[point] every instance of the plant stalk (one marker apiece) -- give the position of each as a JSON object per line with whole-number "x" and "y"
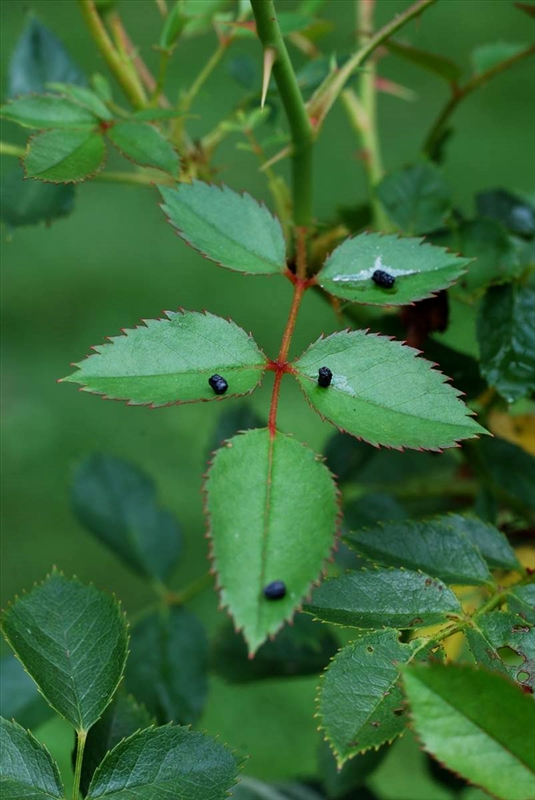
{"x": 81, "y": 738}
{"x": 125, "y": 77}
{"x": 294, "y": 106}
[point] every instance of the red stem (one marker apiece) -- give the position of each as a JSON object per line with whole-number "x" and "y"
{"x": 280, "y": 366}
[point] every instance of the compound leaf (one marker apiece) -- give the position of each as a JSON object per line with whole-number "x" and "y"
{"x": 506, "y": 334}
{"x": 420, "y": 270}
{"x": 145, "y": 145}
{"x": 504, "y": 642}
{"x": 38, "y": 59}
{"x": 378, "y": 598}
{"x": 382, "y": 393}
{"x": 122, "y": 718}
{"x": 167, "y": 665}
{"x": 438, "y": 547}
{"x": 159, "y": 763}
{"x": 416, "y": 198}
{"x": 48, "y": 111}
{"x": 304, "y": 648}
{"x": 64, "y": 156}
{"x": 19, "y": 696}
{"x": 170, "y": 361}
{"x": 117, "y": 502}
{"x": 229, "y": 228}
{"x": 270, "y": 532}
{"x": 476, "y": 723}
{"x": 30, "y": 202}
{"x": 27, "y": 768}
{"x": 72, "y": 640}
{"x": 360, "y": 704}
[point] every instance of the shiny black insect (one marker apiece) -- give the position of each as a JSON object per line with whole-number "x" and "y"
{"x": 325, "y": 377}
{"x": 218, "y": 384}
{"x": 383, "y": 279}
{"x": 275, "y": 590}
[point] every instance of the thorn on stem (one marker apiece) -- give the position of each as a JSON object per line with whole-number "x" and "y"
{"x": 270, "y": 54}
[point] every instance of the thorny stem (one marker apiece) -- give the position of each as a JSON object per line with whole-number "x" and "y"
{"x": 294, "y": 106}
{"x": 280, "y": 366}
{"x": 459, "y": 93}
{"x": 124, "y": 75}
{"x": 81, "y": 737}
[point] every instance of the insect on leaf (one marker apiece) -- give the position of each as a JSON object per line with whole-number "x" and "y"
{"x": 171, "y": 360}
{"x": 272, "y": 534}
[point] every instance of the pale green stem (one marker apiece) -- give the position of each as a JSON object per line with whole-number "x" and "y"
{"x": 122, "y": 71}
{"x": 8, "y": 149}
{"x": 81, "y": 737}
{"x": 162, "y": 74}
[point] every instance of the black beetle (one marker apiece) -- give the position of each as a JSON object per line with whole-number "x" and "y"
{"x": 325, "y": 377}
{"x": 275, "y": 590}
{"x": 383, "y": 279}
{"x": 218, "y": 384}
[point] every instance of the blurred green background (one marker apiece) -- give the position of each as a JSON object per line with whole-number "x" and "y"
{"x": 115, "y": 260}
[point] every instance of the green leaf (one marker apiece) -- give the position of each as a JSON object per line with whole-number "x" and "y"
{"x": 438, "y": 546}
{"x": 506, "y": 334}
{"x": 48, "y": 111}
{"x": 371, "y": 509}
{"x": 339, "y": 783}
{"x": 510, "y": 471}
{"x": 30, "y": 202}
{"x": 64, "y": 156}
{"x": 160, "y": 763}
{"x": 476, "y": 723}
{"x": 167, "y": 665}
{"x": 121, "y": 719}
{"x": 487, "y": 56}
{"x": 420, "y": 269}
{"x": 39, "y": 58}
{"x": 416, "y": 198}
{"x": 490, "y": 542}
{"x": 304, "y": 648}
{"x": 117, "y": 503}
{"x": 432, "y": 62}
{"x": 27, "y": 769}
{"x": 84, "y": 97}
{"x": 19, "y": 696}
{"x": 269, "y": 533}
{"x": 496, "y": 261}
{"x": 515, "y": 213}
{"x": 521, "y": 601}
{"x": 383, "y": 393}
{"x": 360, "y": 704}
{"x": 504, "y": 642}
{"x": 173, "y": 26}
{"x": 145, "y": 145}
{"x": 229, "y": 228}
{"x": 72, "y": 640}
{"x": 379, "y": 598}
{"x": 170, "y": 360}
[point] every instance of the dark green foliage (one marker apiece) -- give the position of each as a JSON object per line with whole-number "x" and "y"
{"x": 117, "y": 503}
{"x": 27, "y": 202}
{"x": 158, "y": 644}
{"x": 303, "y": 648}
